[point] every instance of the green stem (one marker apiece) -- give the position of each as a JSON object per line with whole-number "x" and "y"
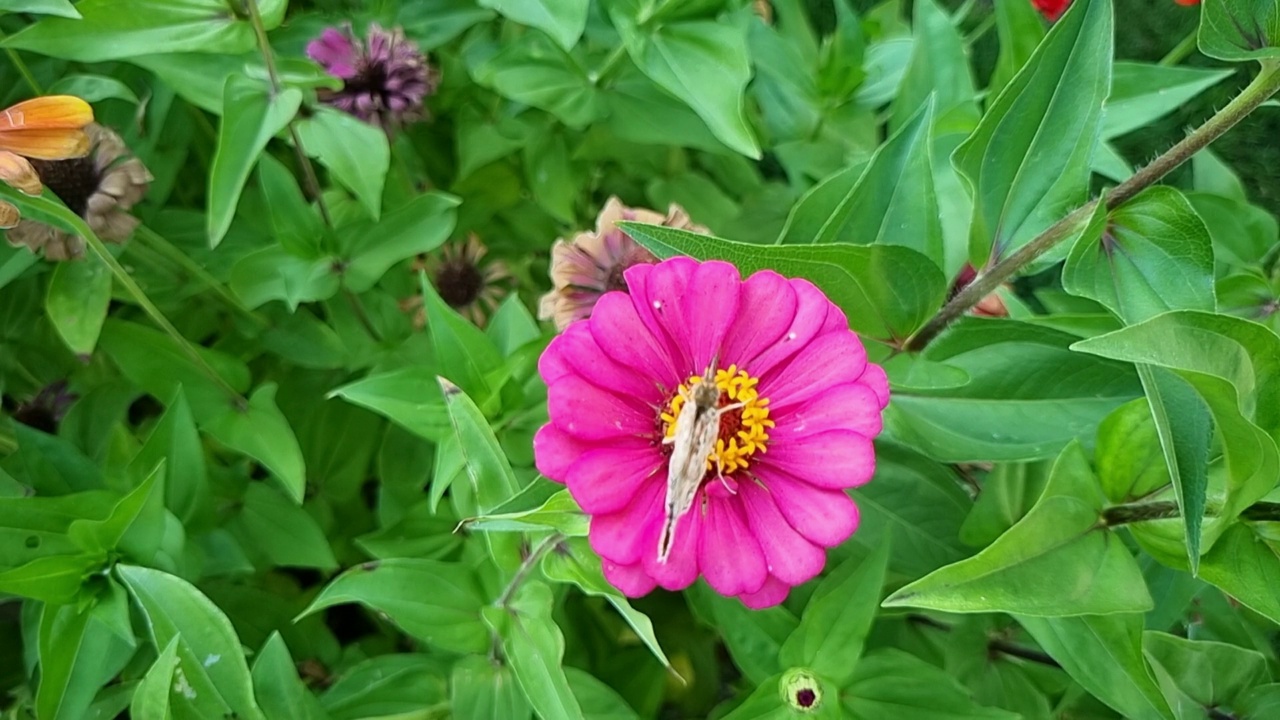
{"x": 522, "y": 573}
{"x": 1168, "y": 509}
{"x": 23, "y": 70}
{"x": 981, "y": 29}
{"x": 362, "y": 315}
{"x": 163, "y": 248}
{"x": 1180, "y": 51}
{"x": 1266, "y": 84}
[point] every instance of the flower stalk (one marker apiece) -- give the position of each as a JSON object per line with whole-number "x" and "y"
{"x": 1263, "y": 86}
{"x": 1130, "y": 513}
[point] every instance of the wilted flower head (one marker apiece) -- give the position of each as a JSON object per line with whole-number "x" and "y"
{"x": 466, "y": 281}
{"x": 593, "y": 263}
{"x": 44, "y": 128}
{"x": 384, "y": 79}
{"x": 810, "y": 404}
{"x": 45, "y": 411}
{"x": 101, "y": 188}
{"x": 989, "y": 306}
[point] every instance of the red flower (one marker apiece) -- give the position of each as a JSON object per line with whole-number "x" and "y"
{"x": 1053, "y": 9}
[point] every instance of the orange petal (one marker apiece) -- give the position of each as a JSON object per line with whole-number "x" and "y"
{"x": 16, "y": 171}
{"x": 46, "y": 144}
{"x": 9, "y": 216}
{"x": 50, "y": 113}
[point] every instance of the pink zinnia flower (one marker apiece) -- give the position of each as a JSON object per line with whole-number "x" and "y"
{"x": 811, "y": 406}
{"x": 384, "y": 80}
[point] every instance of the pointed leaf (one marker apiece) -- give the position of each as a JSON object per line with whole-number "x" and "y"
{"x": 356, "y": 153}
{"x": 261, "y": 431}
{"x": 1239, "y": 30}
{"x": 563, "y": 20}
{"x": 79, "y": 293}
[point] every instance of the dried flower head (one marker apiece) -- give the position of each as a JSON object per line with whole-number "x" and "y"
{"x": 593, "y": 263}
{"x": 101, "y": 188}
{"x": 384, "y": 79}
{"x": 44, "y": 128}
{"x": 465, "y": 279}
{"x": 798, "y": 407}
{"x": 47, "y": 409}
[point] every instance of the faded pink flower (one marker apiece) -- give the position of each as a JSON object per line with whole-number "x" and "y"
{"x": 812, "y": 404}
{"x": 384, "y": 80}
{"x": 592, "y": 263}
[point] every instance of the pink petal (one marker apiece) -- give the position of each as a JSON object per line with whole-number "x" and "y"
{"x": 830, "y": 459}
{"x": 773, "y": 592}
{"x": 681, "y": 567}
{"x": 335, "y": 52}
{"x": 766, "y": 310}
{"x": 631, "y": 533}
{"x": 630, "y": 579}
{"x": 825, "y": 517}
{"x": 588, "y": 412}
{"x": 621, "y": 334}
{"x": 850, "y": 406}
{"x": 581, "y": 352}
{"x": 554, "y": 451}
{"x": 730, "y": 557}
{"x": 553, "y": 364}
{"x": 604, "y": 480}
{"x": 875, "y": 379}
{"x": 658, "y": 296}
{"x": 836, "y": 320}
{"x": 790, "y": 557}
{"x": 710, "y": 305}
{"x": 811, "y": 312}
{"x": 829, "y": 360}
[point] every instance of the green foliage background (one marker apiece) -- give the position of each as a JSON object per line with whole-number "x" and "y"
{"x": 275, "y": 496}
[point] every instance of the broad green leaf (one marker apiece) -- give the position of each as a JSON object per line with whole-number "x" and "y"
{"x": 356, "y": 153}
{"x": 1238, "y": 30}
{"x": 1242, "y": 233}
{"x": 61, "y": 8}
{"x": 110, "y": 30}
{"x": 1142, "y": 93}
{"x": 939, "y": 68}
{"x": 52, "y": 465}
{"x": 1211, "y": 673}
{"x": 551, "y": 177}
{"x": 151, "y": 697}
{"x": 175, "y": 441}
{"x": 54, "y": 579}
{"x": 1020, "y": 29}
{"x": 1229, "y": 362}
{"x": 174, "y": 609}
{"x": 771, "y": 699}
{"x": 410, "y": 397}
{"x": 1028, "y": 161}
{"x": 296, "y": 225}
{"x": 466, "y": 355}
{"x": 1056, "y": 561}
{"x": 1127, "y": 455}
{"x": 703, "y": 63}
{"x": 281, "y": 693}
{"x": 387, "y": 685}
{"x": 81, "y": 649}
{"x": 1008, "y": 493}
{"x": 1028, "y": 395}
{"x": 273, "y": 273}
{"x": 370, "y": 249}
{"x": 885, "y": 64}
{"x": 1259, "y": 703}
{"x": 834, "y": 627}
{"x": 598, "y": 700}
{"x": 276, "y": 527}
{"x": 535, "y": 71}
{"x": 261, "y": 431}
{"x": 563, "y": 20}
{"x": 140, "y": 511}
{"x": 640, "y": 111}
{"x": 487, "y": 470}
{"x": 558, "y": 513}
{"x": 93, "y": 88}
{"x": 885, "y": 290}
{"x": 890, "y": 683}
{"x": 35, "y": 526}
{"x": 485, "y": 690}
{"x": 754, "y": 638}
{"x": 431, "y": 23}
{"x": 1104, "y": 654}
{"x": 79, "y": 293}
{"x": 534, "y": 646}
{"x": 448, "y": 617}
{"x": 251, "y": 116}
{"x": 1245, "y": 567}
{"x": 810, "y": 217}
{"x": 512, "y": 326}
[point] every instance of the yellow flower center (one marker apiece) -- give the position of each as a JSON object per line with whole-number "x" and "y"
{"x": 743, "y": 431}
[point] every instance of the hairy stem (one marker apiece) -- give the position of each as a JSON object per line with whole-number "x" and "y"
{"x": 1168, "y": 509}
{"x": 1266, "y": 84}
{"x": 522, "y": 573}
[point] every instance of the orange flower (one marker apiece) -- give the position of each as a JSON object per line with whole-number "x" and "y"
{"x": 44, "y": 128}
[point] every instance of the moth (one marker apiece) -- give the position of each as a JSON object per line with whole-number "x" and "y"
{"x": 697, "y": 427}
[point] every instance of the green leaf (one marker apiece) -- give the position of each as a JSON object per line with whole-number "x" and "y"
{"x": 466, "y": 355}
{"x": 834, "y": 627}
{"x": 1008, "y": 493}
{"x": 251, "y": 116}
{"x": 1028, "y": 161}
{"x": 432, "y": 23}
{"x": 356, "y": 153}
{"x": 175, "y": 442}
{"x": 1128, "y": 456}
{"x": 175, "y": 609}
{"x": 1104, "y": 654}
{"x": 93, "y": 88}
{"x": 54, "y": 579}
{"x": 261, "y": 431}
{"x": 79, "y": 293}
{"x": 563, "y": 20}
{"x": 559, "y": 512}
{"x": 939, "y": 68}
{"x": 485, "y": 690}
{"x": 1028, "y": 395}
{"x": 282, "y": 531}
{"x": 296, "y": 225}
{"x": 281, "y": 693}
{"x": 448, "y": 617}
{"x": 61, "y": 8}
{"x": 487, "y": 469}
{"x": 1213, "y": 674}
{"x": 151, "y": 697}
{"x": 1142, "y": 93}
{"x": 1154, "y": 254}
{"x": 35, "y": 526}
{"x": 1238, "y": 30}
{"x": 703, "y": 63}
{"x": 419, "y": 226}
{"x": 534, "y": 645}
{"x": 885, "y": 290}
{"x": 1247, "y": 568}
{"x": 1259, "y": 703}
{"x": 754, "y": 638}
{"x": 1020, "y": 29}
{"x": 535, "y": 71}
{"x": 598, "y": 700}
{"x": 1056, "y": 561}
{"x": 81, "y": 649}
{"x": 1229, "y": 362}
{"x": 387, "y": 685}
{"x": 409, "y": 396}
{"x": 109, "y": 30}
{"x": 890, "y": 683}
{"x": 141, "y": 511}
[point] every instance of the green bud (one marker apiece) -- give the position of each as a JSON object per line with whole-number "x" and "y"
{"x": 801, "y": 690}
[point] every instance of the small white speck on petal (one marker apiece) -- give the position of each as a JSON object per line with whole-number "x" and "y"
{"x": 657, "y": 304}
{"x": 791, "y": 336}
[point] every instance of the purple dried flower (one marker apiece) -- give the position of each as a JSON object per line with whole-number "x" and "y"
{"x": 384, "y": 80}
{"x": 46, "y": 410}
